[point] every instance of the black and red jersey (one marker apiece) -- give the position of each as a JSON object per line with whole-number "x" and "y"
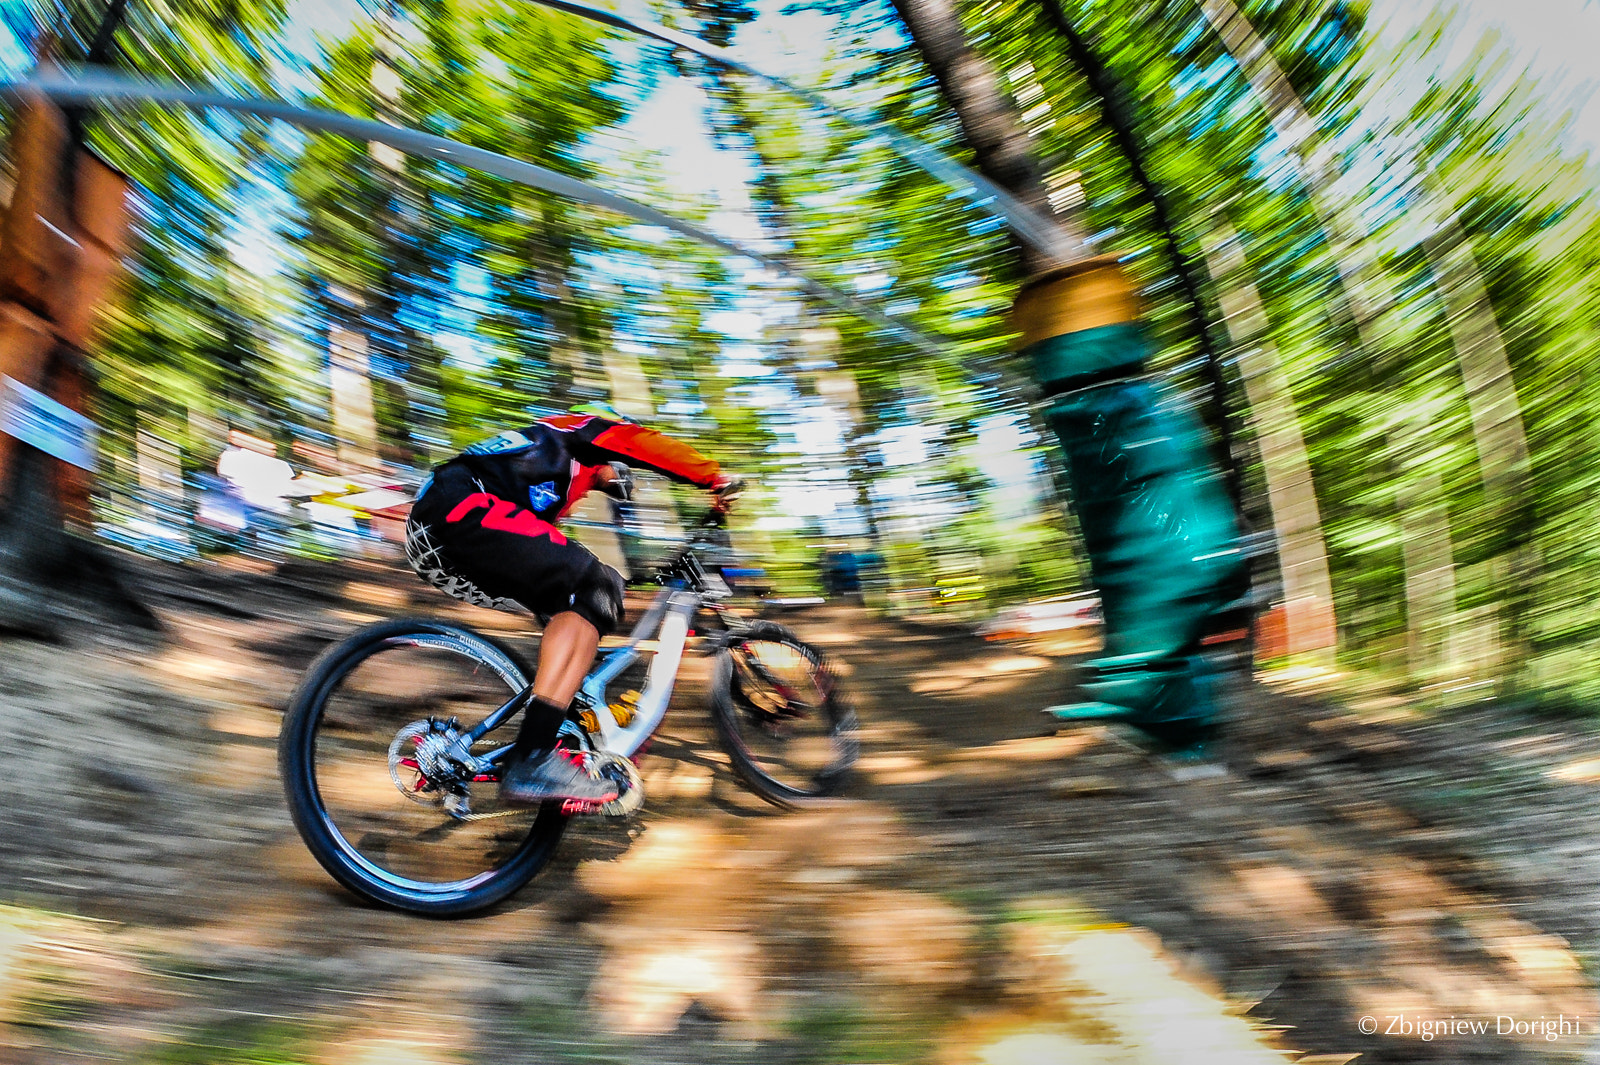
{"x": 549, "y": 466}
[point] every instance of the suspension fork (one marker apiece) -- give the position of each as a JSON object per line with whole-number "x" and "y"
{"x": 715, "y": 640}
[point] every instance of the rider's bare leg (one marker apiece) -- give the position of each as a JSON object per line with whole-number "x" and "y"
{"x": 532, "y": 772}
{"x": 565, "y": 655}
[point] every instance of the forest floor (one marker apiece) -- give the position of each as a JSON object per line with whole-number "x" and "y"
{"x": 988, "y": 890}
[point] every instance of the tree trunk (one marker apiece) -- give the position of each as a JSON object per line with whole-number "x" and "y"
{"x": 1000, "y": 145}
{"x": 1160, "y": 529}
{"x": 1424, "y": 517}
{"x": 1503, "y": 456}
{"x": 61, "y": 246}
{"x": 1118, "y": 112}
{"x": 373, "y": 328}
{"x": 1430, "y": 579}
{"x": 1291, "y": 494}
{"x": 1362, "y": 277}
{"x": 350, "y": 388}
{"x": 1485, "y": 368}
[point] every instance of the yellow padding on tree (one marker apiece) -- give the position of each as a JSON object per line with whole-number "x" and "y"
{"x": 1085, "y": 295}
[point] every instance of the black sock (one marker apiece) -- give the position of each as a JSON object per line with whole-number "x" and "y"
{"x": 541, "y": 720}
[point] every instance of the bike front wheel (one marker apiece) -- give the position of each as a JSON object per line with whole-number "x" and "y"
{"x": 375, "y": 778}
{"x": 781, "y": 716}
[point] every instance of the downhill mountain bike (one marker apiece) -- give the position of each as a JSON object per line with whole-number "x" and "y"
{"x": 392, "y": 744}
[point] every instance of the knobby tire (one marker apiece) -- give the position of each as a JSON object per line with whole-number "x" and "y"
{"x": 297, "y": 763}
{"x": 736, "y": 717}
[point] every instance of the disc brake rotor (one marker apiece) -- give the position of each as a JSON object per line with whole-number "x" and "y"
{"x": 425, "y": 769}
{"x": 415, "y": 765}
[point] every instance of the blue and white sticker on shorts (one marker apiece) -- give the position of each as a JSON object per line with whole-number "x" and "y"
{"x": 500, "y": 444}
{"x": 543, "y": 496}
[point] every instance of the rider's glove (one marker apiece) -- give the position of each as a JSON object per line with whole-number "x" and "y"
{"x": 724, "y": 491}
{"x": 620, "y": 486}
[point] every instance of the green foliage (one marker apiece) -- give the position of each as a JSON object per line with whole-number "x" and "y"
{"x": 239, "y": 1041}
{"x": 51, "y": 1004}
{"x": 561, "y": 1031}
{"x": 845, "y": 1034}
{"x": 485, "y": 303}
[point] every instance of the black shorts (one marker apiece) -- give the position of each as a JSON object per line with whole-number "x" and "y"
{"x": 491, "y": 552}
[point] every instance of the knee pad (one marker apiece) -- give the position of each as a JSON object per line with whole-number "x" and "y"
{"x": 598, "y": 598}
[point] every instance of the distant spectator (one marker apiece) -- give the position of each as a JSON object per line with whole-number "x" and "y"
{"x": 260, "y": 478}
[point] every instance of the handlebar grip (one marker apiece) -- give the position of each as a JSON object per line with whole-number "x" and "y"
{"x": 725, "y": 493}
{"x": 620, "y": 486}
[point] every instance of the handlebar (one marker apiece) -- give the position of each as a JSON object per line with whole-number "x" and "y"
{"x": 683, "y": 561}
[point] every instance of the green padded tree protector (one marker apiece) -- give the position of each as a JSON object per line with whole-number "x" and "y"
{"x": 1160, "y": 530}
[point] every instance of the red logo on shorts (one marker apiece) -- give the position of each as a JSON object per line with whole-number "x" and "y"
{"x": 505, "y": 516}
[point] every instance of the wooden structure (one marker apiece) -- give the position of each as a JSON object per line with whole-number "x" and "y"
{"x": 61, "y": 245}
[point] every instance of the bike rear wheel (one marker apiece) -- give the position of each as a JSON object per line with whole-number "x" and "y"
{"x": 780, "y": 715}
{"x": 364, "y": 757}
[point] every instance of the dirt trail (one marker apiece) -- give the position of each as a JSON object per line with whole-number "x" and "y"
{"x": 989, "y": 891}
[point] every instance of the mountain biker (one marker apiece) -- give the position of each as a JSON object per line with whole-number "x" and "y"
{"x": 482, "y": 530}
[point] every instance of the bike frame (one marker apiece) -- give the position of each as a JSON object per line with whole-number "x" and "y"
{"x": 670, "y": 615}
{"x": 667, "y": 619}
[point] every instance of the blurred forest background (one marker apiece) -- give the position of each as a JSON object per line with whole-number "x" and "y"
{"x": 1392, "y": 253}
